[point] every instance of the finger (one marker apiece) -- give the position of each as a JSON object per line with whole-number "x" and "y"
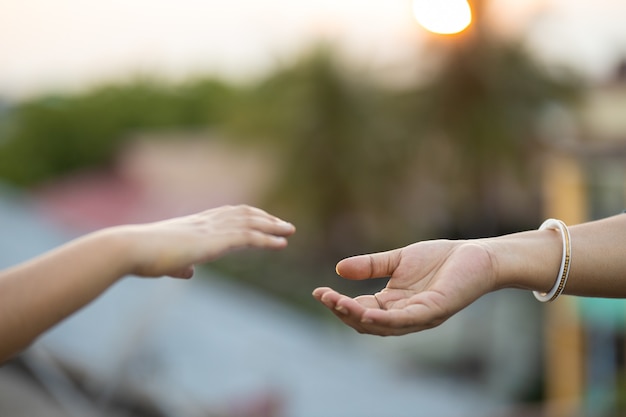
{"x": 330, "y": 298}
{"x": 236, "y": 240}
{"x": 269, "y": 225}
{"x": 246, "y": 211}
{"x": 368, "y": 301}
{"x": 184, "y": 273}
{"x": 245, "y": 216}
{"x": 339, "y": 304}
{"x": 319, "y": 292}
{"x": 412, "y": 318}
{"x": 364, "y": 315}
{"x": 334, "y": 300}
{"x": 345, "y": 305}
{"x": 320, "y": 295}
{"x": 254, "y": 238}
{"x": 375, "y": 265}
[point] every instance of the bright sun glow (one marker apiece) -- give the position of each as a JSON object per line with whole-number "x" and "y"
{"x": 443, "y": 16}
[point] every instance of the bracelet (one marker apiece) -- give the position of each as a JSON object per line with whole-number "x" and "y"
{"x": 561, "y": 280}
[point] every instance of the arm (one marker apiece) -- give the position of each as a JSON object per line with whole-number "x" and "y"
{"x": 432, "y": 280}
{"x": 39, "y": 293}
{"x": 598, "y": 266}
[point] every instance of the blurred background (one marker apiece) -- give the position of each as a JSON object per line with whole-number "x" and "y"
{"x": 369, "y": 125}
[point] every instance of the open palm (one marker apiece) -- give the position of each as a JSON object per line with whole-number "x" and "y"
{"x": 429, "y": 282}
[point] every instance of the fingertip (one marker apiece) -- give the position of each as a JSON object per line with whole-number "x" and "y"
{"x": 290, "y": 227}
{"x": 186, "y": 273}
{"x": 279, "y": 241}
{"x": 317, "y": 293}
{"x": 341, "y": 309}
{"x": 286, "y": 228}
{"x": 374, "y": 265}
{"x": 340, "y": 267}
{"x": 326, "y": 297}
{"x": 351, "y": 268}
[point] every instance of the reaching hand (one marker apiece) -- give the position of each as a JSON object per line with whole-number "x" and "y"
{"x": 429, "y": 282}
{"x": 172, "y": 247}
{"x": 42, "y": 291}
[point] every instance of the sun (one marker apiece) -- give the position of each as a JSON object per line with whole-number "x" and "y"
{"x": 443, "y": 16}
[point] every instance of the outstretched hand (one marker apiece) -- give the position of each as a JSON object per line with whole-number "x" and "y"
{"x": 429, "y": 282}
{"x": 172, "y": 247}
{"x": 38, "y": 293}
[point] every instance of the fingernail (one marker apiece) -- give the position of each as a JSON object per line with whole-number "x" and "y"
{"x": 365, "y": 320}
{"x": 341, "y": 309}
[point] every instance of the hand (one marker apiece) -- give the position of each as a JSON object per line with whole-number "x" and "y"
{"x": 172, "y": 247}
{"x": 429, "y": 282}
{"x": 38, "y": 293}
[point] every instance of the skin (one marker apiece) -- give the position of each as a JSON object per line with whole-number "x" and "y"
{"x": 39, "y": 293}
{"x": 430, "y": 281}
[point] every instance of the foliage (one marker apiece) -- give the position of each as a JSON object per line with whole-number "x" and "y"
{"x": 54, "y": 135}
{"x": 362, "y": 168}
{"x": 343, "y": 171}
{"x": 478, "y": 117}
{"x": 339, "y": 158}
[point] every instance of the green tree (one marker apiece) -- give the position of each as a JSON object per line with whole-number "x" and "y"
{"x": 477, "y": 118}
{"x": 342, "y": 170}
{"x": 340, "y": 159}
{"x": 51, "y": 136}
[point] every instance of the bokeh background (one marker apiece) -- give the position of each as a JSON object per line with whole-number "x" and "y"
{"x": 358, "y": 125}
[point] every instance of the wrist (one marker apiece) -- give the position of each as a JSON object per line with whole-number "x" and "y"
{"x": 527, "y": 260}
{"x": 144, "y": 253}
{"x": 116, "y": 245}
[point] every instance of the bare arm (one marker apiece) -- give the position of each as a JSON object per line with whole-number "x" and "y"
{"x": 432, "y": 280}
{"x": 530, "y": 260}
{"x": 39, "y": 293}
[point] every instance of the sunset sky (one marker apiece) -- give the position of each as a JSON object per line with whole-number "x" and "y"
{"x": 70, "y": 43}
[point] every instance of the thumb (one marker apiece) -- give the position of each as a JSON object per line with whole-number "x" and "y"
{"x": 375, "y": 265}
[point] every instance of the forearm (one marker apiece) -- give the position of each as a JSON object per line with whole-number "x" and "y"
{"x": 531, "y": 259}
{"x": 599, "y": 258}
{"x": 39, "y": 293}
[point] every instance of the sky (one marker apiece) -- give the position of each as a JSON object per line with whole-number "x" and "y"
{"x": 65, "y": 44}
